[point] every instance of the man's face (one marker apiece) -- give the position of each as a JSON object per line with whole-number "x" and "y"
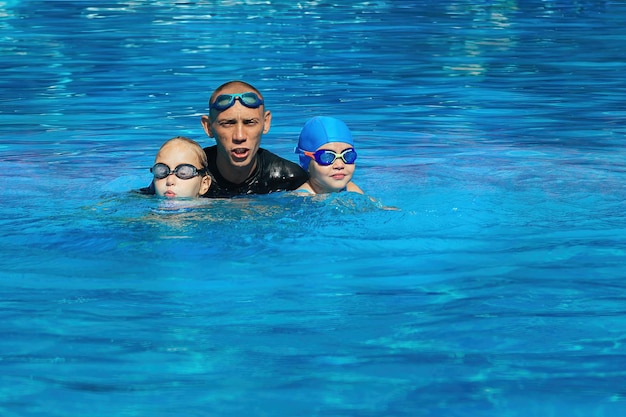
{"x": 238, "y": 129}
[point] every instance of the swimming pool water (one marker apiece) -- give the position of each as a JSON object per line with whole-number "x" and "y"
{"x": 495, "y": 127}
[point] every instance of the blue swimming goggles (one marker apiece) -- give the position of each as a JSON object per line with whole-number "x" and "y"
{"x": 327, "y": 157}
{"x": 183, "y": 171}
{"x": 226, "y": 101}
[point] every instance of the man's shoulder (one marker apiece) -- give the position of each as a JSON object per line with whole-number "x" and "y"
{"x": 281, "y": 173}
{"x": 271, "y": 158}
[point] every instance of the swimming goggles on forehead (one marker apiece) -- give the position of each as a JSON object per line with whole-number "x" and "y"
{"x": 327, "y": 157}
{"x": 226, "y": 101}
{"x": 183, "y": 171}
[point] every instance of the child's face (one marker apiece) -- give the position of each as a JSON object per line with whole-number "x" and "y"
{"x": 334, "y": 177}
{"x": 174, "y": 154}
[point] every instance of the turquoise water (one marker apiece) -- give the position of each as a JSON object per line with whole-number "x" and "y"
{"x": 496, "y": 289}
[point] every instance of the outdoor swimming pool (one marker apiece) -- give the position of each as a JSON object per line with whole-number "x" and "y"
{"x": 496, "y": 127}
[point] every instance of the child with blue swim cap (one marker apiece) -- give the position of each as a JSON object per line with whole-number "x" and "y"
{"x": 326, "y": 151}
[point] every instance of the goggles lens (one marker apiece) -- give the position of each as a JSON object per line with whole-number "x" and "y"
{"x": 225, "y": 101}
{"x": 183, "y": 171}
{"x": 327, "y": 157}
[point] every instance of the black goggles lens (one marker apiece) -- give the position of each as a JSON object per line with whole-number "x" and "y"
{"x": 183, "y": 171}
{"x": 225, "y": 101}
{"x": 326, "y": 157}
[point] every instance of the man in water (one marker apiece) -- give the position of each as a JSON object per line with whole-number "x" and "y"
{"x": 237, "y": 120}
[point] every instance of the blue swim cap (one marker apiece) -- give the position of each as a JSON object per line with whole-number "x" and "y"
{"x": 319, "y": 131}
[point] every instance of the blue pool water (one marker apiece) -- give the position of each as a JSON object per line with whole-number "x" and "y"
{"x": 497, "y": 288}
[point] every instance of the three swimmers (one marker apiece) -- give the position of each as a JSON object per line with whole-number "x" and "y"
{"x": 237, "y": 165}
{"x": 325, "y": 150}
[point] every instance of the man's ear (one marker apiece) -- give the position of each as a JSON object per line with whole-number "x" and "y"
{"x": 206, "y": 125}
{"x": 267, "y": 121}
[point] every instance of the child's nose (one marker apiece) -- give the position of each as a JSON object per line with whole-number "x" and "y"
{"x": 339, "y": 164}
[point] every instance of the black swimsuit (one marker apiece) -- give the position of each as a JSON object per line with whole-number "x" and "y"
{"x": 272, "y": 173}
